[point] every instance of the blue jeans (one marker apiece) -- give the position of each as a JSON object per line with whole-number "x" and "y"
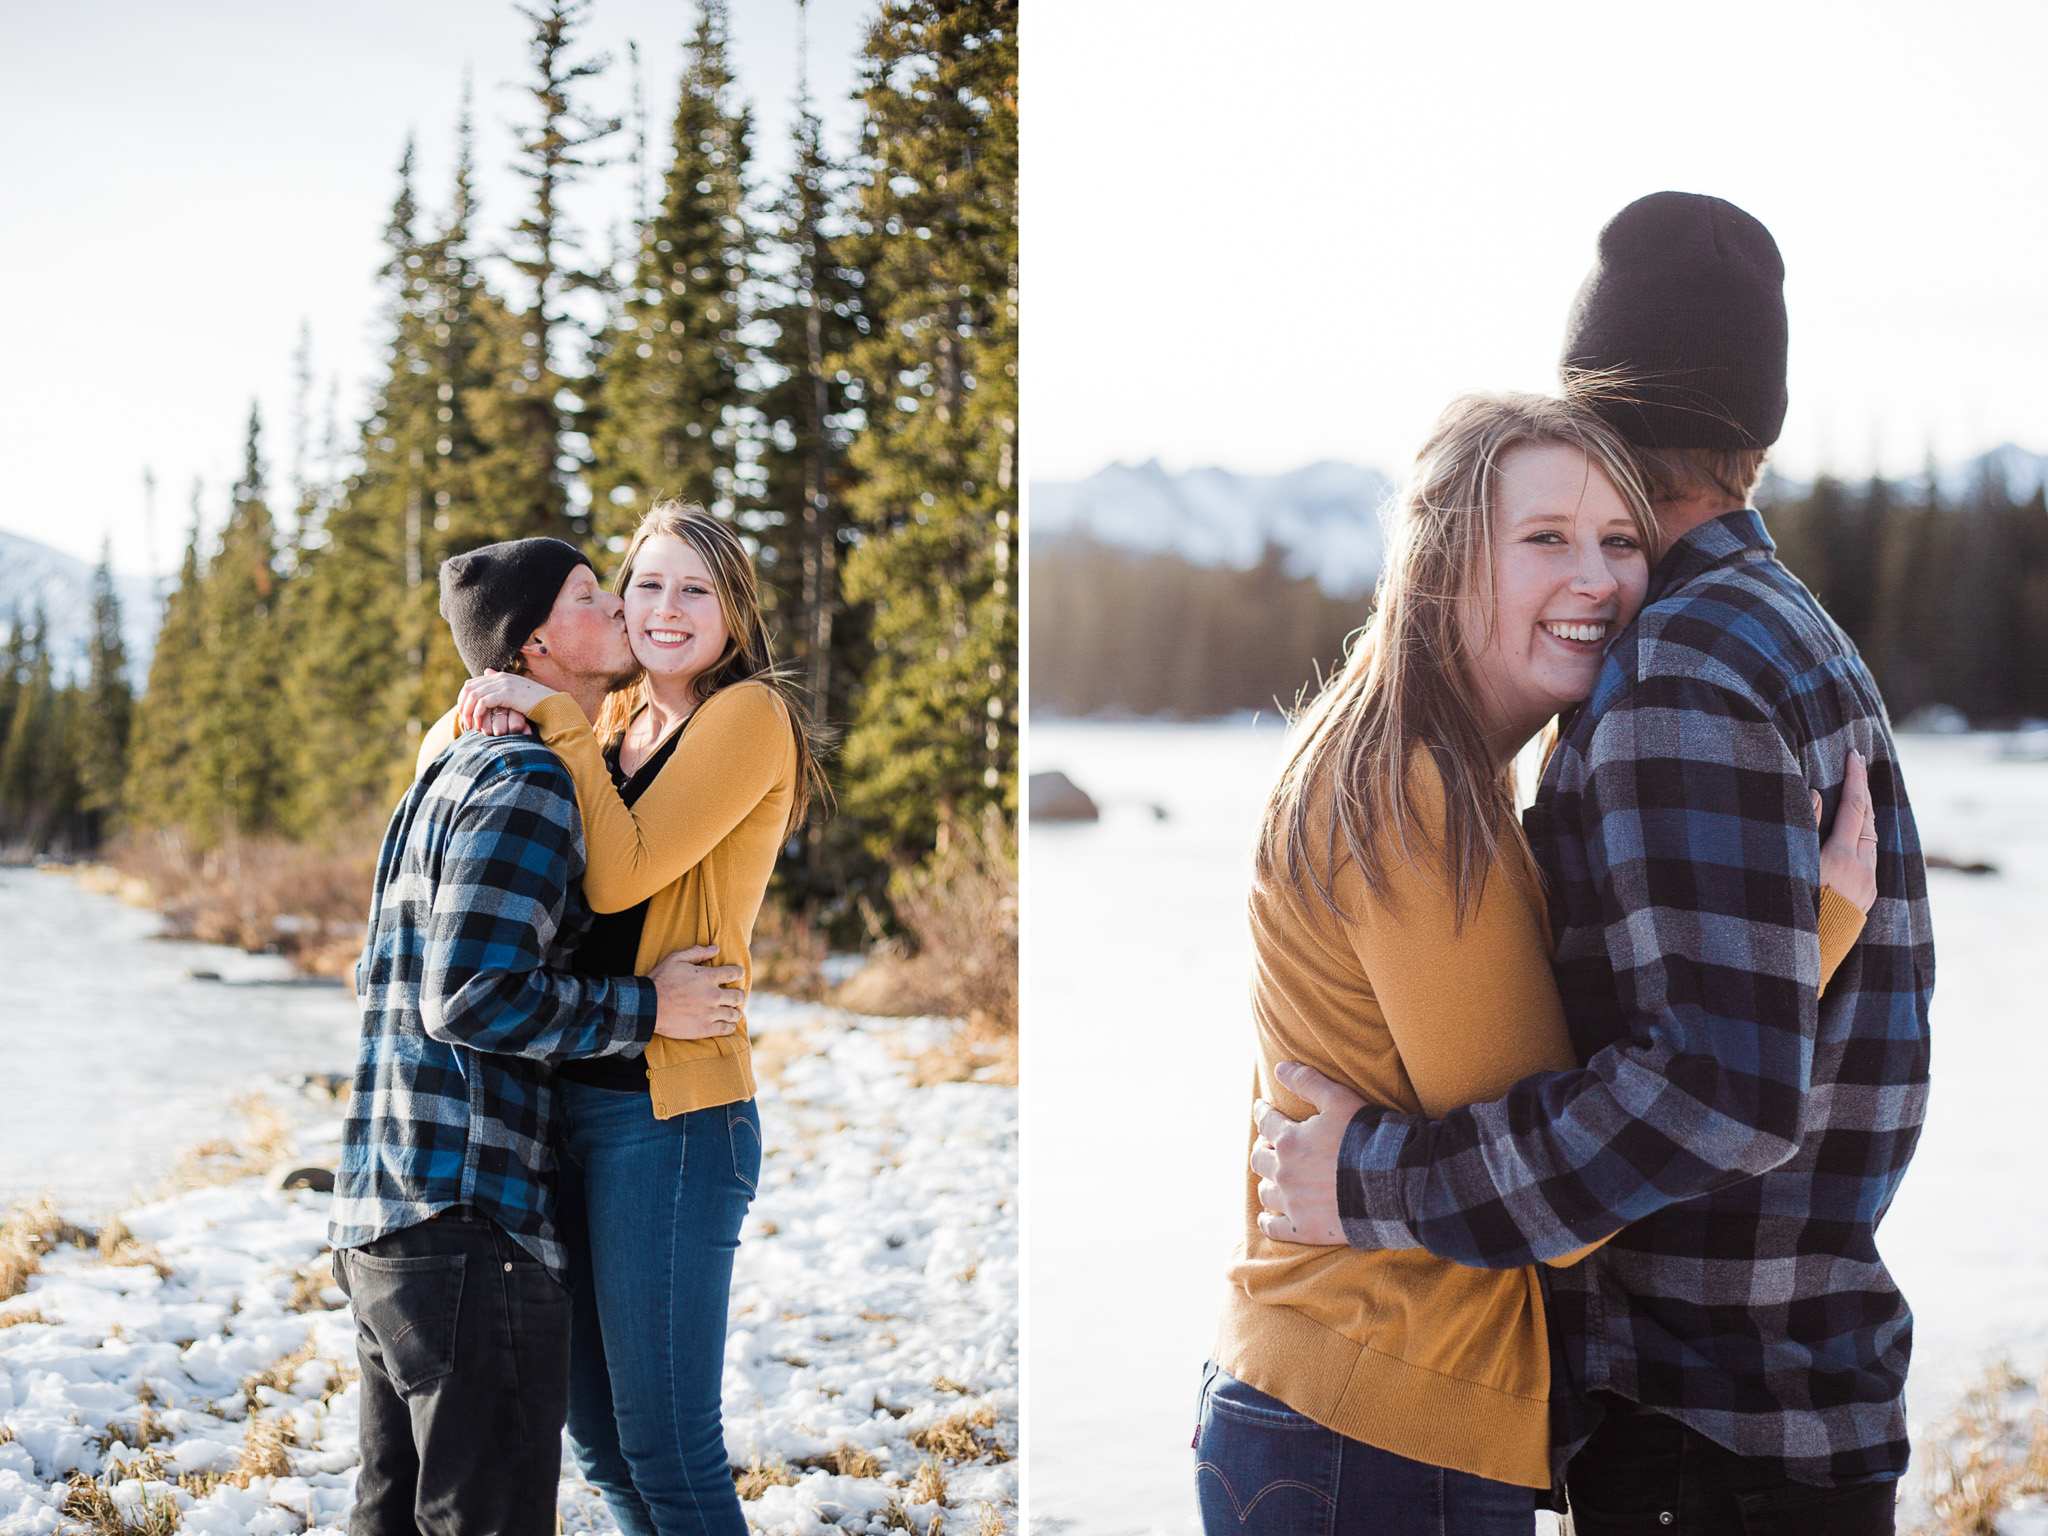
{"x": 650, "y": 1214}
{"x": 1261, "y": 1469}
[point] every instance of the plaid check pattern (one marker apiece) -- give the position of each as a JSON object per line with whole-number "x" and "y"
{"x": 1742, "y": 1138}
{"x": 468, "y": 1001}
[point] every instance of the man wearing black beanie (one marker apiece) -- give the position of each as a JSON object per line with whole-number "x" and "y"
{"x": 1678, "y": 339}
{"x": 1733, "y": 1357}
{"x": 443, "y": 1219}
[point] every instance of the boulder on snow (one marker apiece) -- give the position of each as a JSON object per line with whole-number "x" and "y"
{"x": 1055, "y": 797}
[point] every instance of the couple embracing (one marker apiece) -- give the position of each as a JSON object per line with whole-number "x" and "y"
{"x": 1574, "y": 1133}
{"x": 552, "y": 1141}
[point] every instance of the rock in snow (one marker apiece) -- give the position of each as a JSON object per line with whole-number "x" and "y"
{"x": 1055, "y": 797}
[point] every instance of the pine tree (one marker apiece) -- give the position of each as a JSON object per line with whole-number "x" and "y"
{"x": 237, "y": 771}
{"x": 160, "y": 763}
{"x": 462, "y": 316}
{"x": 39, "y": 784}
{"x": 375, "y": 664}
{"x": 936, "y": 734}
{"x": 673, "y": 411}
{"x": 31, "y": 721}
{"x": 532, "y": 421}
{"x": 2029, "y": 658}
{"x": 343, "y": 667}
{"x": 12, "y": 663}
{"x": 105, "y": 705}
{"x": 811, "y": 408}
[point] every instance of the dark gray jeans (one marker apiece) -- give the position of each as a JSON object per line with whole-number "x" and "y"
{"x": 463, "y": 1342}
{"x": 1644, "y": 1474}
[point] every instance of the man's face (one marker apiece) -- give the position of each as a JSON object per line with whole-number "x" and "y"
{"x": 585, "y": 632}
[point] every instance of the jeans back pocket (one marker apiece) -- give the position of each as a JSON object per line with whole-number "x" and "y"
{"x": 743, "y": 1125}
{"x": 406, "y": 1308}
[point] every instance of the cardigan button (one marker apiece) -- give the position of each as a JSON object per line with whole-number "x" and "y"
{"x": 1663, "y": 1515}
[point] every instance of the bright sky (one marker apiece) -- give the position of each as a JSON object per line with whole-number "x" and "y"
{"x": 190, "y": 182}
{"x": 1262, "y": 236}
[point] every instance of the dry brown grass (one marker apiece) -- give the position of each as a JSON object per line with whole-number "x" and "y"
{"x": 846, "y": 1459}
{"x": 856, "y": 1461}
{"x": 120, "y": 1247}
{"x": 788, "y": 953}
{"x": 144, "y": 1431}
{"x": 959, "y": 909}
{"x": 23, "y": 1317}
{"x": 339, "y": 1374}
{"x": 235, "y": 894}
{"x": 266, "y": 1142}
{"x": 29, "y": 1232}
{"x": 90, "y": 1501}
{"x": 1986, "y": 1457}
{"x": 895, "y": 1517}
{"x": 265, "y": 1452}
{"x": 773, "y": 1051}
{"x": 757, "y": 1477}
{"x": 929, "y": 1486}
{"x": 310, "y": 1283}
{"x": 278, "y": 1376}
{"x": 978, "y": 1051}
{"x": 963, "y": 1437}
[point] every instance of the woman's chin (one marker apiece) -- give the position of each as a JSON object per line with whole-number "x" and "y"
{"x": 666, "y": 672}
{"x": 659, "y": 663}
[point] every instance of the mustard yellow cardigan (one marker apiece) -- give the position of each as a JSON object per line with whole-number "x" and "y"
{"x": 698, "y": 847}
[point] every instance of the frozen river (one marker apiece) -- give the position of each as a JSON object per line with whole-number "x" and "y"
{"x": 1137, "y": 1058}
{"x": 112, "y": 1056}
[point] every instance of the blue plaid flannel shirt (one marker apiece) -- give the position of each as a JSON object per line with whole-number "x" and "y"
{"x": 468, "y": 1001}
{"x": 1742, "y": 1138}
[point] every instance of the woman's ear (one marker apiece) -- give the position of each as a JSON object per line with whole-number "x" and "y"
{"x": 534, "y": 647}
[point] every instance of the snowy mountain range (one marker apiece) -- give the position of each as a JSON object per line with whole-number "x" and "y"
{"x": 32, "y": 573}
{"x": 2022, "y": 472}
{"x": 1327, "y": 516}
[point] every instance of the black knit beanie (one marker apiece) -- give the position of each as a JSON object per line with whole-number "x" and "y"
{"x": 494, "y": 598}
{"x": 1687, "y": 302}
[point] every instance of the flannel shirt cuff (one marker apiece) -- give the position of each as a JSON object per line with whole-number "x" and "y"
{"x": 634, "y": 1021}
{"x": 1368, "y": 1180}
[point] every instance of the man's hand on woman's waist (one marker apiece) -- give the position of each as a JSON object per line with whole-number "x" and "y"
{"x": 694, "y": 999}
{"x": 1296, "y": 1160}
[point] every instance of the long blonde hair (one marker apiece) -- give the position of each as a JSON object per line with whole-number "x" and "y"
{"x": 746, "y": 656}
{"x": 1405, "y": 683}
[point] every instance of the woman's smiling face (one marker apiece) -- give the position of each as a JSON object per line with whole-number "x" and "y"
{"x": 1569, "y": 572}
{"x": 673, "y": 616}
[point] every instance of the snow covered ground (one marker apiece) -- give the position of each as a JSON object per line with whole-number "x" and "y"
{"x": 1137, "y": 1049}
{"x": 204, "y": 1379}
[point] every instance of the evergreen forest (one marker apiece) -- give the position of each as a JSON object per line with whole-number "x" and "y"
{"x": 1945, "y": 598}
{"x": 829, "y": 363}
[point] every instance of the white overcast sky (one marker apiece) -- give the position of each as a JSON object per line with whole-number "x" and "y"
{"x": 1258, "y": 236}
{"x": 186, "y": 183}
